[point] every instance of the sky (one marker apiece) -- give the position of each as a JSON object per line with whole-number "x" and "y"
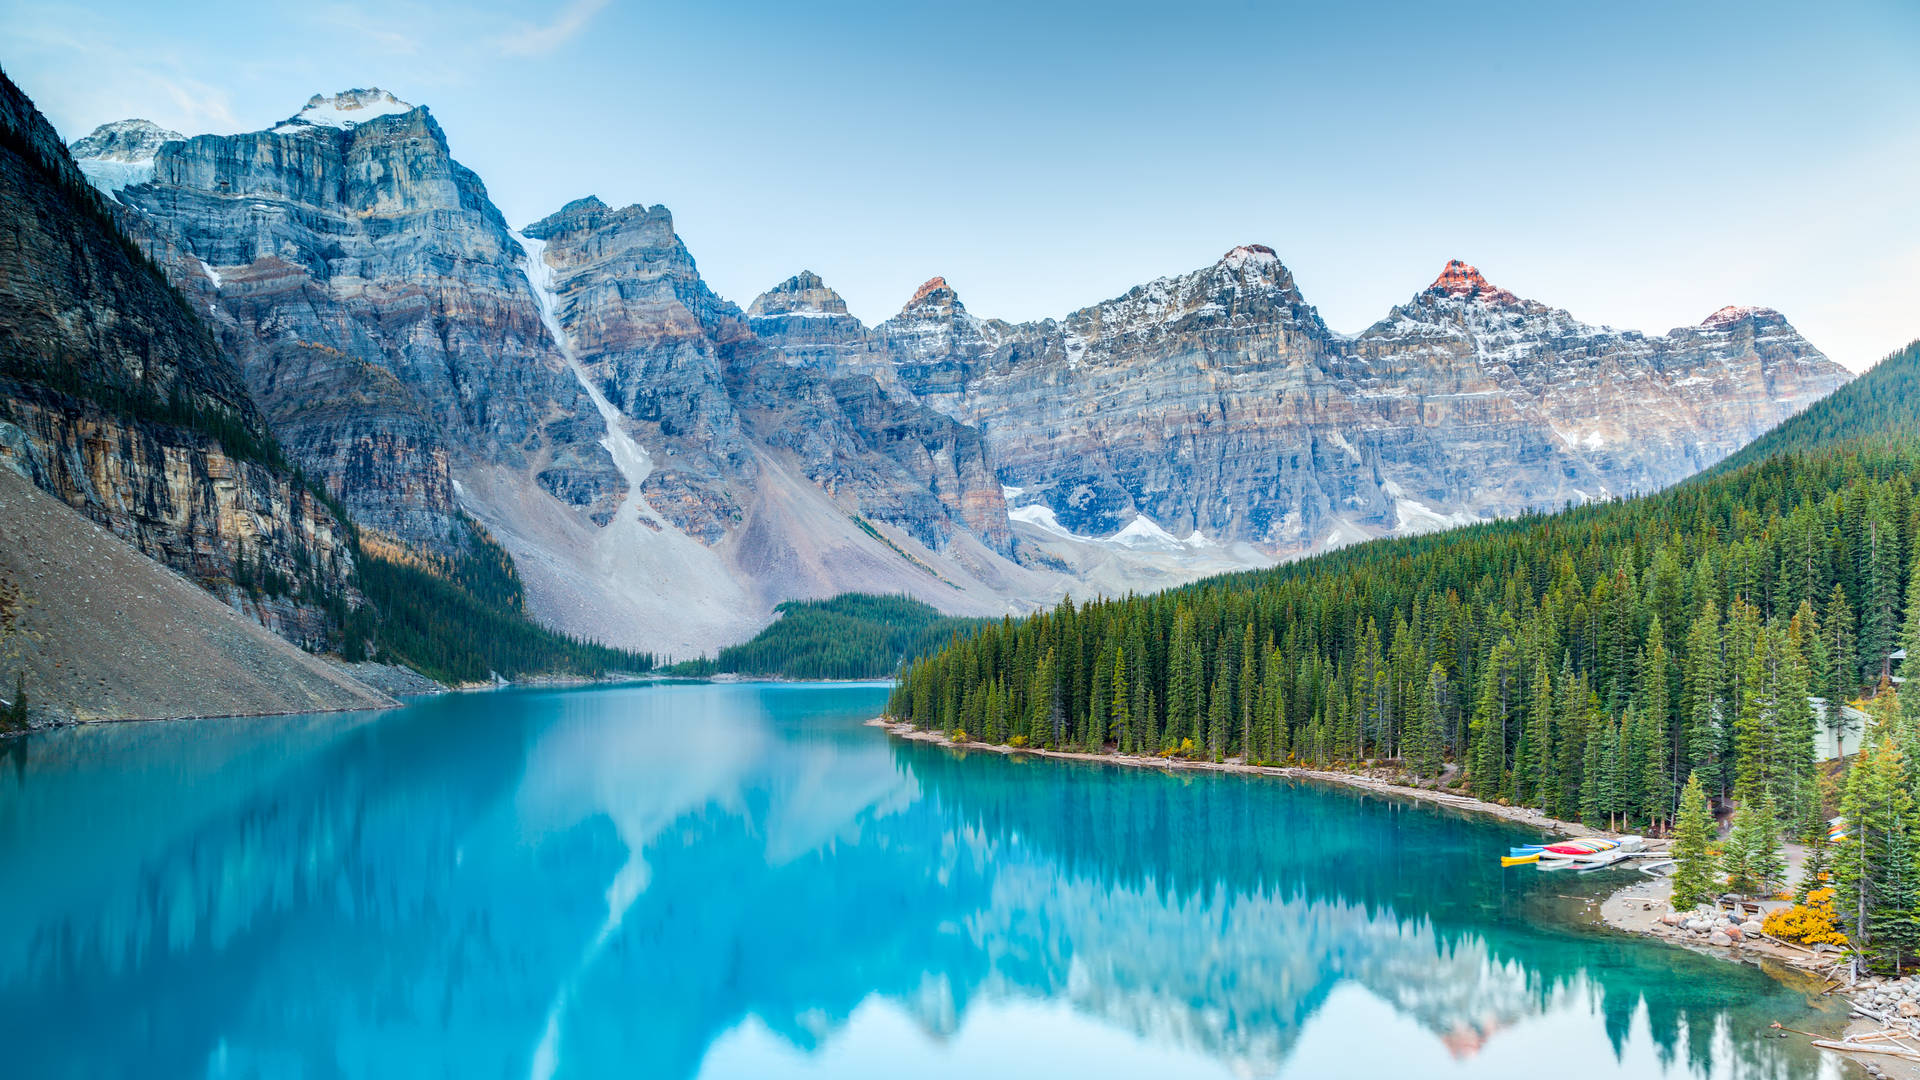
{"x": 1637, "y": 163}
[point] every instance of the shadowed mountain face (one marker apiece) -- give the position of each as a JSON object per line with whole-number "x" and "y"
{"x": 523, "y": 885}
{"x": 423, "y": 359}
{"x": 117, "y": 400}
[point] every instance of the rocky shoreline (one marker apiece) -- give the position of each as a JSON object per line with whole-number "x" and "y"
{"x": 1640, "y": 907}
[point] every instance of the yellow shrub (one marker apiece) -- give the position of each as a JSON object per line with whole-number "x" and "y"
{"x": 1017, "y": 741}
{"x": 1810, "y": 924}
{"x": 961, "y": 736}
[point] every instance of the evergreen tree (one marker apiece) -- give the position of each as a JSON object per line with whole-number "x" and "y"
{"x": 1693, "y": 832}
{"x": 1704, "y": 679}
{"x": 1751, "y": 861}
{"x": 1423, "y": 730}
{"x": 1218, "y": 709}
{"x": 1877, "y": 805}
{"x": 1880, "y": 578}
{"x": 1040, "y": 703}
{"x": 1895, "y": 919}
{"x": 1531, "y": 772}
{"x": 1656, "y": 789}
{"x": 1246, "y": 691}
{"x": 1183, "y": 691}
{"x": 1499, "y": 689}
{"x": 1842, "y": 675}
{"x": 1797, "y": 784}
{"x": 1593, "y": 779}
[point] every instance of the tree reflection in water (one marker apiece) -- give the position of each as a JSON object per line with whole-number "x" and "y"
{"x": 619, "y": 880}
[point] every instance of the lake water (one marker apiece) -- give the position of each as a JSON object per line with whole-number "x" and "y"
{"x": 744, "y": 881}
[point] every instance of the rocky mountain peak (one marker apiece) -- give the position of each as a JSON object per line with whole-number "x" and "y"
{"x": 802, "y": 294}
{"x": 934, "y": 292}
{"x": 345, "y": 110}
{"x": 1255, "y": 254}
{"x": 124, "y": 140}
{"x": 1731, "y": 314}
{"x": 115, "y": 155}
{"x": 1464, "y": 282}
{"x": 590, "y": 213}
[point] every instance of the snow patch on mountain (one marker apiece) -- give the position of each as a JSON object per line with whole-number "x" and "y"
{"x": 1734, "y": 313}
{"x": 1143, "y": 532}
{"x": 1140, "y": 534}
{"x": 345, "y": 110}
{"x": 1258, "y": 254}
{"x": 120, "y": 154}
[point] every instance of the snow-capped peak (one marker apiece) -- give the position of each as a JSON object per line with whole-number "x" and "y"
{"x": 345, "y": 110}
{"x": 121, "y": 154}
{"x": 1464, "y": 281}
{"x": 1733, "y": 314}
{"x": 1257, "y": 254}
{"x": 124, "y": 140}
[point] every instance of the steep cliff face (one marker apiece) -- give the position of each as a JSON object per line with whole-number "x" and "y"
{"x": 115, "y": 398}
{"x": 809, "y": 325}
{"x": 1614, "y": 412}
{"x": 747, "y": 479}
{"x": 376, "y": 302}
{"x": 579, "y": 380}
{"x": 702, "y": 393}
{"x": 1217, "y": 407}
{"x": 649, "y": 334}
{"x": 665, "y": 466}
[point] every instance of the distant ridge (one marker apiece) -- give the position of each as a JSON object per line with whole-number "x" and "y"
{"x": 1881, "y": 405}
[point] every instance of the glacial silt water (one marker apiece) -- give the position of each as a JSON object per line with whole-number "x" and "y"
{"x": 677, "y": 881}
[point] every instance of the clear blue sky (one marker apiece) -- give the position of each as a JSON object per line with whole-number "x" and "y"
{"x": 1637, "y": 163}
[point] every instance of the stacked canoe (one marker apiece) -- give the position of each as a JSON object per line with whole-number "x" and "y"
{"x": 1586, "y": 852}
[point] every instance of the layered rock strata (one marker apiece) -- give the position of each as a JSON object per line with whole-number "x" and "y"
{"x": 116, "y": 399}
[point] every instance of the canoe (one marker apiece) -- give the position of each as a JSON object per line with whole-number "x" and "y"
{"x": 1516, "y": 860}
{"x": 1572, "y": 848}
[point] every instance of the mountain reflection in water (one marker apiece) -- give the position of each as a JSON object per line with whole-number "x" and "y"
{"x": 741, "y": 880}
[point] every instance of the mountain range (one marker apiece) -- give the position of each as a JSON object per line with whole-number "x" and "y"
{"x": 665, "y": 467}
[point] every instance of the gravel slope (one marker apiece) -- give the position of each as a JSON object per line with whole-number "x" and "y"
{"x": 109, "y": 634}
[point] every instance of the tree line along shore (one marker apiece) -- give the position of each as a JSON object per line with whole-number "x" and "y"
{"x": 1661, "y": 663}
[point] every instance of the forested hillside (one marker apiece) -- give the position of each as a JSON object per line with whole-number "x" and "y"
{"x": 463, "y": 619}
{"x": 1880, "y": 406}
{"x": 1596, "y": 663}
{"x": 1584, "y": 662}
{"x": 851, "y": 636}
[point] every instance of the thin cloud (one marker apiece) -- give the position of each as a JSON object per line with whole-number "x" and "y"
{"x": 366, "y": 27}
{"x": 87, "y": 77}
{"x": 206, "y": 107}
{"x": 532, "y": 40}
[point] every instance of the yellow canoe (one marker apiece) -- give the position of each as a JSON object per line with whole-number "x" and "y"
{"x": 1516, "y": 860}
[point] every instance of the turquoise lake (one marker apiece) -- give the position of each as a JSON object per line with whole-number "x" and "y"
{"x": 678, "y": 881}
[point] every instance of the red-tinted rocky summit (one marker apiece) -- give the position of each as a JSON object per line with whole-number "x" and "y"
{"x": 1465, "y": 281}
